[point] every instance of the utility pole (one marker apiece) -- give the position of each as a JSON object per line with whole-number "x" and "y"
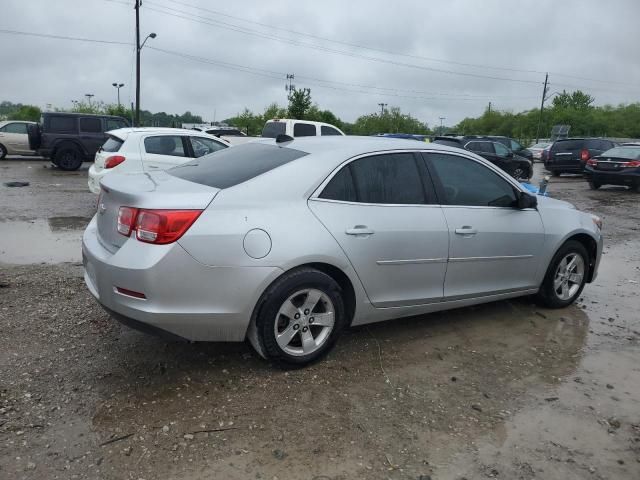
{"x": 544, "y": 95}
{"x": 382, "y": 107}
{"x": 489, "y": 107}
{"x": 290, "y": 87}
{"x": 137, "y": 7}
{"x": 441, "y": 126}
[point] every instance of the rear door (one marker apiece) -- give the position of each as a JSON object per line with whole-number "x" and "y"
{"x": 161, "y": 152}
{"x": 381, "y": 209}
{"x": 91, "y": 134}
{"x": 493, "y": 247}
{"x": 14, "y": 137}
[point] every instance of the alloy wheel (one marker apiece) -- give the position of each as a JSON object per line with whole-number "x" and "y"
{"x": 304, "y": 322}
{"x": 569, "y": 276}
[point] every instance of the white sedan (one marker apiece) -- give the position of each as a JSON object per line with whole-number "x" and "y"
{"x": 147, "y": 149}
{"x": 14, "y": 139}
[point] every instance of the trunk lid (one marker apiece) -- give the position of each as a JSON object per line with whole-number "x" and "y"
{"x": 157, "y": 190}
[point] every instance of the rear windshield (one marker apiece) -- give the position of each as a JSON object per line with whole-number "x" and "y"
{"x": 232, "y": 166}
{"x": 568, "y": 145}
{"x": 632, "y": 153}
{"x": 112, "y": 144}
{"x": 273, "y": 129}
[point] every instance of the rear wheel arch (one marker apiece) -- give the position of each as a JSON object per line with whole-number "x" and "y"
{"x": 67, "y": 143}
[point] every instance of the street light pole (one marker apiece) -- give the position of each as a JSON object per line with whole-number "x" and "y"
{"x": 441, "y": 126}
{"x": 118, "y": 86}
{"x": 89, "y": 95}
{"x": 138, "y": 49}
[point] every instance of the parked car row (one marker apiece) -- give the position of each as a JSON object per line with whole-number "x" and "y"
{"x": 496, "y": 152}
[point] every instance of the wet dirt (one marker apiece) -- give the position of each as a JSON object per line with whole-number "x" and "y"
{"x": 503, "y": 390}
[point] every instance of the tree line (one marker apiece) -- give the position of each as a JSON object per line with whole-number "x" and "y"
{"x": 567, "y": 108}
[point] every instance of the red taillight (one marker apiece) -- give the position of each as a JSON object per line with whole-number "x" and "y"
{"x": 156, "y": 226}
{"x": 592, "y": 162}
{"x": 114, "y": 161}
{"x": 585, "y": 155}
{"x": 127, "y": 220}
{"x": 632, "y": 164}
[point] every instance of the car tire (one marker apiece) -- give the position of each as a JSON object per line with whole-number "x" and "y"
{"x": 555, "y": 173}
{"x": 68, "y": 158}
{"x": 594, "y": 185}
{"x": 565, "y": 280}
{"x": 520, "y": 173}
{"x": 287, "y": 324}
{"x": 3, "y": 151}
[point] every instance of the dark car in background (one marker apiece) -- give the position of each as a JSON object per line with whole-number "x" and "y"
{"x": 513, "y": 145}
{"x": 570, "y": 155}
{"x": 68, "y": 139}
{"x": 618, "y": 166}
{"x": 518, "y": 167}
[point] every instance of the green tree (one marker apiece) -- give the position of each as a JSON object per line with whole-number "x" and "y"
{"x": 299, "y": 103}
{"x": 578, "y": 100}
{"x": 26, "y": 112}
{"x": 391, "y": 121}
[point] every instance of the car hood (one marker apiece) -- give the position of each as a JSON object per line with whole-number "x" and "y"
{"x": 548, "y": 203}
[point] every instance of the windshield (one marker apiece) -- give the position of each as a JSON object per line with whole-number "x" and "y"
{"x": 632, "y": 153}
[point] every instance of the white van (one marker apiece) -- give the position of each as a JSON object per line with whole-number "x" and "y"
{"x": 298, "y": 128}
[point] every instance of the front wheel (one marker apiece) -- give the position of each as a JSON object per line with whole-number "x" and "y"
{"x": 520, "y": 173}
{"x": 3, "y": 151}
{"x": 301, "y": 318}
{"x": 593, "y": 185}
{"x": 566, "y": 276}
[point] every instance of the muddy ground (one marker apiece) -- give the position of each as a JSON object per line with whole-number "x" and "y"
{"x": 505, "y": 390}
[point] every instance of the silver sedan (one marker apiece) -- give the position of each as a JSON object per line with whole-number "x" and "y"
{"x": 286, "y": 243}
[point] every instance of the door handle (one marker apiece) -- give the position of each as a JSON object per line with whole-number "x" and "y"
{"x": 466, "y": 231}
{"x": 359, "y": 230}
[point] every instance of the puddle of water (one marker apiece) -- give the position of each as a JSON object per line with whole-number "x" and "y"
{"x": 55, "y": 240}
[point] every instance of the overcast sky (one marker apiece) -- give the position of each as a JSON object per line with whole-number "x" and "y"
{"x": 410, "y": 47}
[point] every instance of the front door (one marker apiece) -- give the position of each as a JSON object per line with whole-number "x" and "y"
{"x": 381, "y": 210}
{"x": 494, "y": 247}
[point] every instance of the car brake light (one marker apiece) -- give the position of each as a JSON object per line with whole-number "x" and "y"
{"x": 127, "y": 220}
{"x": 114, "y": 161}
{"x": 632, "y": 164}
{"x": 584, "y": 155}
{"x": 164, "y": 226}
{"x": 592, "y": 162}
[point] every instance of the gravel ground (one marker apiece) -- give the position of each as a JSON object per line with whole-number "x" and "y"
{"x": 504, "y": 390}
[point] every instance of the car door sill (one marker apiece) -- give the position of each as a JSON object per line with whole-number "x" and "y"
{"x": 472, "y": 298}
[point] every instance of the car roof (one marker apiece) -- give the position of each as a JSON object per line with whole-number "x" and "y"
{"x": 180, "y": 131}
{"x": 4, "y": 122}
{"x": 76, "y": 114}
{"x": 303, "y": 121}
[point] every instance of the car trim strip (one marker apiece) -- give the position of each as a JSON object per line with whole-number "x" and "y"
{"x": 485, "y": 259}
{"x": 411, "y": 261}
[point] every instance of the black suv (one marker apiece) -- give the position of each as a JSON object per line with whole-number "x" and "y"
{"x": 68, "y": 139}
{"x": 570, "y": 155}
{"x": 518, "y": 167}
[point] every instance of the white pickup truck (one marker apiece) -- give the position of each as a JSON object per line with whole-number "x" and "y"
{"x": 298, "y": 128}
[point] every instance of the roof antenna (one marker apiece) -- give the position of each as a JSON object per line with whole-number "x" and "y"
{"x": 282, "y": 138}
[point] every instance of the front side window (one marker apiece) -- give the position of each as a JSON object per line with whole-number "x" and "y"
{"x": 204, "y": 146}
{"x": 325, "y": 130}
{"x": 482, "y": 147}
{"x": 165, "y": 145}
{"x": 467, "y": 182}
{"x": 91, "y": 125}
{"x": 15, "y": 128}
{"x": 304, "y": 130}
{"x": 385, "y": 179}
{"x": 501, "y": 150}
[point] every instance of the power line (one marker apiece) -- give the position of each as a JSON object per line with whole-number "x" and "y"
{"x": 374, "y": 49}
{"x": 64, "y": 37}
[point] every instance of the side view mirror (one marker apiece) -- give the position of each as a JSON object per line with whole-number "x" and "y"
{"x": 527, "y": 201}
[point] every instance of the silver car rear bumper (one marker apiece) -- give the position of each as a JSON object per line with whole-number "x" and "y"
{"x": 183, "y": 297}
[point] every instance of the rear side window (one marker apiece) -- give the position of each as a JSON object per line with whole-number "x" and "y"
{"x": 165, "y": 145}
{"x": 15, "y": 128}
{"x": 233, "y": 166}
{"x": 91, "y": 125}
{"x": 273, "y": 129}
{"x": 112, "y": 144}
{"x": 324, "y": 130}
{"x": 63, "y": 124}
{"x": 304, "y": 130}
{"x": 204, "y": 146}
{"x": 384, "y": 179}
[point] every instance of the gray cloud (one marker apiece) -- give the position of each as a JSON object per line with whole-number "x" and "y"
{"x": 589, "y": 39}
